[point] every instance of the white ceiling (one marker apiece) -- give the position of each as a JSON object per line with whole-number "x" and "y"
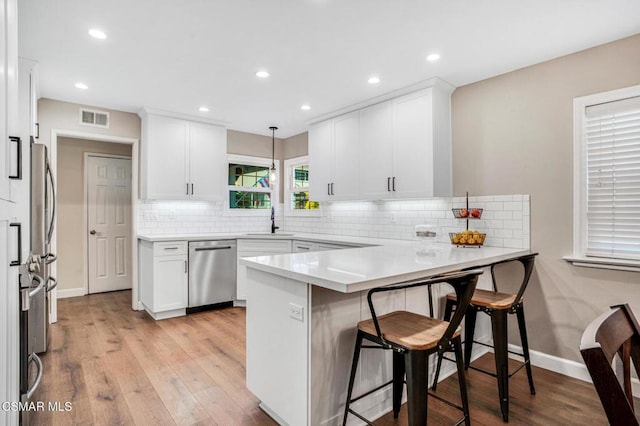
{"x": 179, "y": 55}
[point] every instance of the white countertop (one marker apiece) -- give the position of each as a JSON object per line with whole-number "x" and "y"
{"x": 363, "y": 268}
{"x": 319, "y": 238}
{"x": 373, "y": 262}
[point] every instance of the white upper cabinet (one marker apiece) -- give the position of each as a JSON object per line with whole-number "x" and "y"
{"x": 376, "y": 137}
{"x": 398, "y": 148}
{"x": 333, "y": 159}
{"x": 181, "y": 159}
{"x": 346, "y": 150}
{"x": 207, "y": 161}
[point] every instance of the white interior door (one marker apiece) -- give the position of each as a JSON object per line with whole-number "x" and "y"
{"x": 109, "y": 223}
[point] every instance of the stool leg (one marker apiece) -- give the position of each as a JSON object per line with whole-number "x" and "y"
{"x": 398, "y": 382}
{"x": 447, "y": 317}
{"x": 525, "y": 346}
{"x": 462, "y": 380}
{"x": 354, "y": 368}
{"x": 469, "y": 331}
{"x": 499, "y": 330}
{"x": 417, "y": 385}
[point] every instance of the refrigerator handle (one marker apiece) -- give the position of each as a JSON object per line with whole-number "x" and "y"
{"x": 33, "y": 357}
{"x": 39, "y": 288}
{"x": 53, "y": 206}
{"x": 51, "y": 287}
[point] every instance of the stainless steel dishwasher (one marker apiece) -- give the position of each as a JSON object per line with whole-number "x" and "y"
{"x": 212, "y": 274}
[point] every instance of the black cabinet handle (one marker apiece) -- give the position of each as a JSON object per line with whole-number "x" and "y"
{"x": 393, "y": 183}
{"x": 187, "y": 188}
{"x": 328, "y": 189}
{"x": 37, "y": 130}
{"x": 18, "y": 260}
{"x": 191, "y": 189}
{"x": 18, "y": 142}
{"x": 389, "y": 184}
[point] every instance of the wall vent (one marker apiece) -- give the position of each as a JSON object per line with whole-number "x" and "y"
{"x": 89, "y": 117}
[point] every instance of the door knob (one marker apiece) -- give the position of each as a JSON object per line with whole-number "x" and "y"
{"x": 92, "y": 232}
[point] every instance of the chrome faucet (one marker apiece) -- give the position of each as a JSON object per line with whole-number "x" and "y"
{"x": 273, "y": 221}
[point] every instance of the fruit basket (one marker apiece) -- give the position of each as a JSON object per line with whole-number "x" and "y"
{"x": 466, "y": 213}
{"x": 467, "y": 238}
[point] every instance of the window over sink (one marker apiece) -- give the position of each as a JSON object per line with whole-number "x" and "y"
{"x": 249, "y": 188}
{"x": 607, "y": 180}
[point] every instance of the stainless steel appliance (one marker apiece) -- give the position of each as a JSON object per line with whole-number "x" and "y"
{"x": 212, "y": 274}
{"x": 31, "y": 287}
{"x": 43, "y": 212}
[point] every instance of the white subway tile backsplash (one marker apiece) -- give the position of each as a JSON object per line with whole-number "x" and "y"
{"x": 505, "y": 219}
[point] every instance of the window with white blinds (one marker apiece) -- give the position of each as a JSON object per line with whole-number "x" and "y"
{"x": 612, "y": 178}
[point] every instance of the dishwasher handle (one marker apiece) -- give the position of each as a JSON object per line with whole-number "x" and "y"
{"x": 212, "y": 248}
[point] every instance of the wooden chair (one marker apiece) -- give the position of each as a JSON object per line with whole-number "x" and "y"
{"x": 412, "y": 338}
{"x": 498, "y": 306}
{"x": 613, "y": 333}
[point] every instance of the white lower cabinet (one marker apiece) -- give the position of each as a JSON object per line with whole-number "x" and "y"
{"x": 164, "y": 278}
{"x": 252, "y": 248}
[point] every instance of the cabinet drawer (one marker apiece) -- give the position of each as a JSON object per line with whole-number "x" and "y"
{"x": 170, "y": 248}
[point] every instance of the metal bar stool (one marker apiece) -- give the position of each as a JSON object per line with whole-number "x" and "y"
{"x": 497, "y": 305}
{"x": 412, "y": 338}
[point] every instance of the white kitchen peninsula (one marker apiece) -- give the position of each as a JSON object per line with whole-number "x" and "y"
{"x": 302, "y": 311}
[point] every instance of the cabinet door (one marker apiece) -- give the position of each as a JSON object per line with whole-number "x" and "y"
{"x": 376, "y": 152}
{"x": 320, "y": 160}
{"x": 346, "y": 157}
{"x": 166, "y": 159}
{"x": 171, "y": 285}
{"x": 413, "y": 145}
{"x": 5, "y": 146}
{"x": 207, "y": 161}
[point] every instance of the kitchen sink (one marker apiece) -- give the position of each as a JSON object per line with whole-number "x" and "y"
{"x": 268, "y": 234}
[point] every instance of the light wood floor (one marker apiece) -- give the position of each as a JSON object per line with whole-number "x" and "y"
{"x": 118, "y": 366}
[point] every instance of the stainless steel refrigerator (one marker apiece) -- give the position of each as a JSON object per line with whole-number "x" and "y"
{"x": 43, "y": 213}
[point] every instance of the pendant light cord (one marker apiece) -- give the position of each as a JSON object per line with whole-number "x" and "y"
{"x": 273, "y": 147}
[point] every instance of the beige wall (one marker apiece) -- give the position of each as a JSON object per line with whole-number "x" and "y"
{"x": 514, "y": 134}
{"x": 296, "y": 146}
{"x": 60, "y": 115}
{"x": 71, "y": 210}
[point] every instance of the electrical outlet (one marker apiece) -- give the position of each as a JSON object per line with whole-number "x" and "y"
{"x": 296, "y": 312}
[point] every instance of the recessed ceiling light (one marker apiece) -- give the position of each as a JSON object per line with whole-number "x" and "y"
{"x": 204, "y": 109}
{"x": 433, "y": 57}
{"x": 305, "y": 107}
{"x": 97, "y": 34}
{"x": 373, "y": 80}
{"x": 82, "y": 86}
{"x": 262, "y": 74}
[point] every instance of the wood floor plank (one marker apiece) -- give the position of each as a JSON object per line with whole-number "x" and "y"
{"x": 119, "y": 366}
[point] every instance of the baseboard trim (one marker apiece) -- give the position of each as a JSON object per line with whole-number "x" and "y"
{"x": 70, "y": 292}
{"x": 566, "y": 367}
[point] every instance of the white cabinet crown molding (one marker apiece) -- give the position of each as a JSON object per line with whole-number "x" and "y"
{"x": 434, "y": 82}
{"x": 146, "y": 111}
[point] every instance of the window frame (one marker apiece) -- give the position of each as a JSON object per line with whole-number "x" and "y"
{"x": 289, "y": 165}
{"x": 579, "y": 256}
{"x": 273, "y": 190}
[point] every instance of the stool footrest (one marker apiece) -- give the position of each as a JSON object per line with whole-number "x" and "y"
{"x": 370, "y": 392}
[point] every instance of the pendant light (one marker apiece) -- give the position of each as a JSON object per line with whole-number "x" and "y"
{"x": 273, "y": 175}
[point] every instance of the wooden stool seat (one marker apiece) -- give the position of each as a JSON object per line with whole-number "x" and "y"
{"x": 409, "y": 330}
{"x": 489, "y": 299}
